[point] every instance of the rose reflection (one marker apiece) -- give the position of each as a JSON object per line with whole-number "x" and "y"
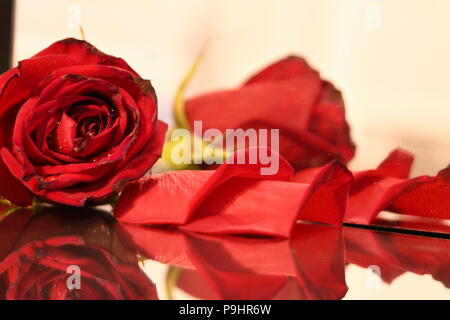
{"x": 397, "y": 253}
{"x": 310, "y": 265}
{"x": 37, "y": 250}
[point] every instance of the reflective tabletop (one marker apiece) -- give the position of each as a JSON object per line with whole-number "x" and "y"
{"x": 67, "y": 253}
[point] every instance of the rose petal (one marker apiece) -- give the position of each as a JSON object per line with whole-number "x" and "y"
{"x": 229, "y": 199}
{"x": 30, "y": 73}
{"x": 324, "y": 201}
{"x": 388, "y": 188}
{"x": 66, "y": 134}
{"x": 288, "y": 68}
{"x": 67, "y": 180}
{"x": 256, "y": 104}
{"x": 84, "y": 53}
{"x": 190, "y": 188}
{"x": 398, "y": 164}
{"x": 12, "y": 189}
{"x": 328, "y": 122}
{"x": 429, "y": 199}
{"x": 122, "y": 78}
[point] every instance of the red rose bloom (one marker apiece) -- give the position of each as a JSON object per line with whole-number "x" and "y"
{"x": 288, "y": 95}
{"x": 76, "y": 126}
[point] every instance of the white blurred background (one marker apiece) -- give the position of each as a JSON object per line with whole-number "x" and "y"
{"x": 390, "y": 58}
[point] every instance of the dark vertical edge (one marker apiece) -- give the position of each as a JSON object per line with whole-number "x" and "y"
{"x": 6, "y": 33}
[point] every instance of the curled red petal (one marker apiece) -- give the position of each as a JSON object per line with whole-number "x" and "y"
{"x": 397, "y": 164}
{"x": 190, "y": 188}
{"x": 323, "y": 201}
{"x": 374, "y": 190}
{"x": 235, "y": 208}
{"x": 430, "y": 199}
{"x": 327, "y": 195}
{"x": 228, "y": 200}
{"x": 371, "y": 194}
{"x": 388, "y": 188}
